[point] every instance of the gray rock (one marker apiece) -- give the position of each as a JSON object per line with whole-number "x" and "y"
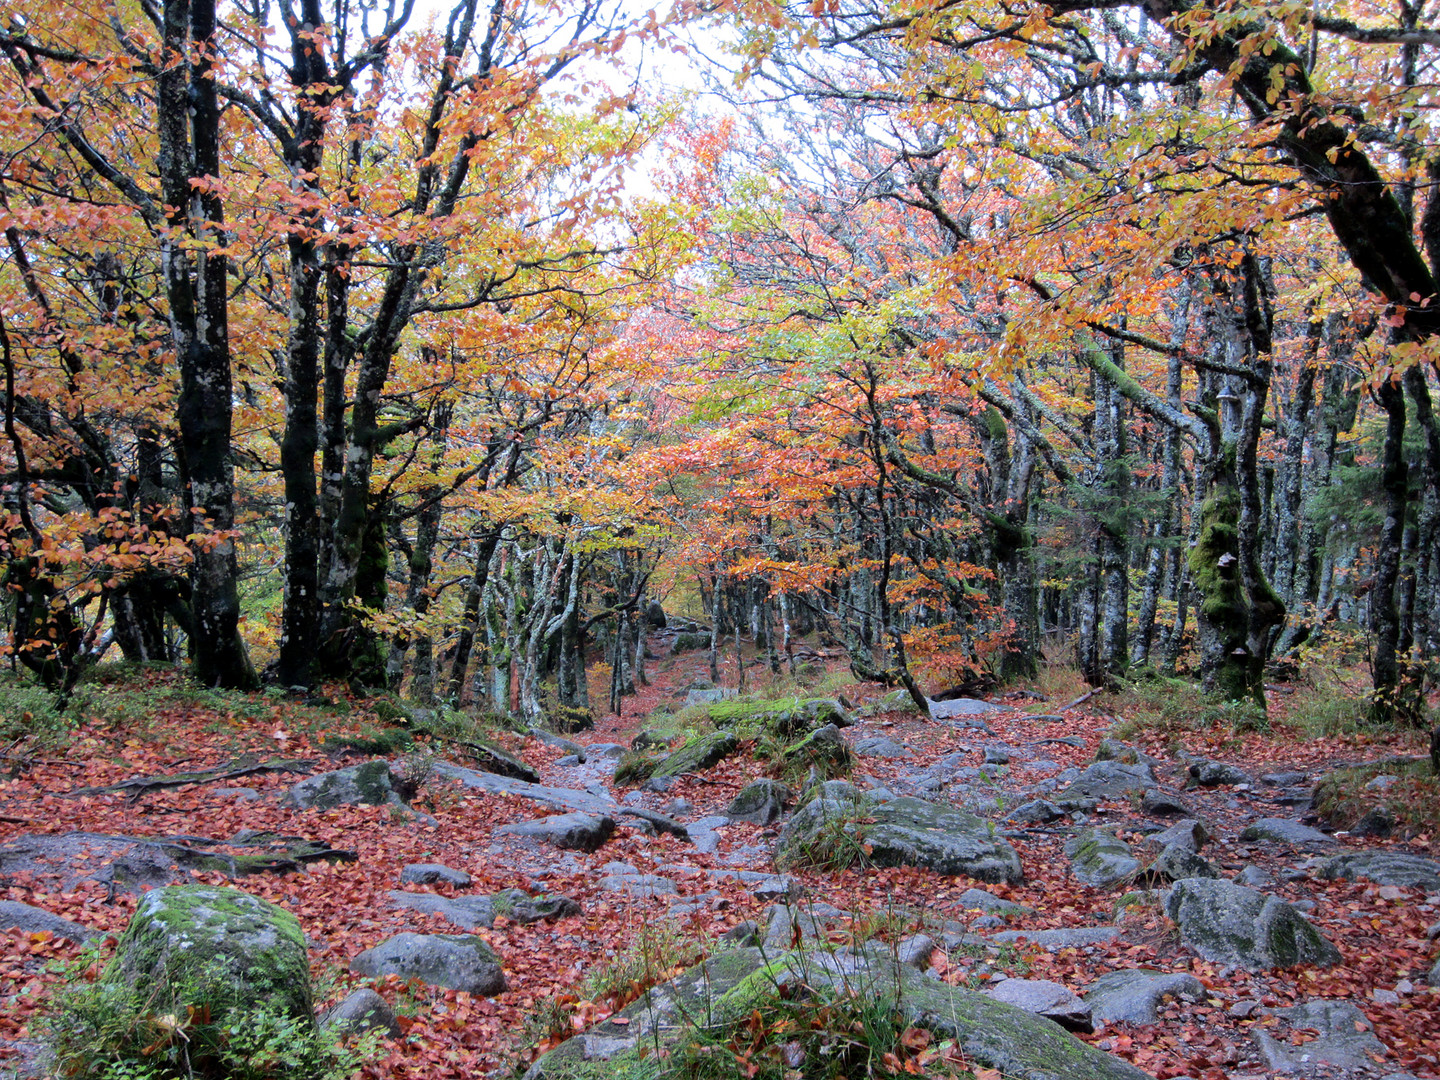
{"x": 1133, "y": 996}
{"x": 1035, "y": 812}
{"x": 1215, "y": 773}
{"x": 980, "y": 900}
{"x": 549, "y": 738}
{"x": 1284, "y": 779}
{"x": 998, "y": 754}
{"x": 606, "y": 750}
{"x": 901, "y": 832}
{"x": 367, "y": 784}
{"x": 560, "y": 798}
{"x": 743, "y": 934}
{"x": 1074, "y": 937}
{"x": 1433, "y": 979}
{"x": 654, "y": 823}
{"x": 468, "y": 912}
{"x": 1384, "y": 868}
{"x": 34, "y": 920}
{"x": 1346, "y": 1040}
{"x": 638, "y": 884}
{"x": 1189, "y": 833}
{"x": 949, "y": 710}
{"x": 456, "y": 961}
{"x": 916, "y": 951}
{"x": 1255, "y": 878}
{"x": 1285, "y": 831}
{"x": 1179, "y": 863}
{"x": 778, "y": 887}
{"x": 572, "y": 832}
{"x": 1108, "y": 780}
{"x": 1101, "y": 860}
{"x": 881, "y": 746}
{"x": 364, "y": 1010}
{"x": 519, "y": 906}
{"x": 184, "y": 938}
{"x": 1229, "y": 924}
{"x": 711, "y": 696}
{"x": 1378, "y": 821}
{"x": 433, "y": 874}
{"x": 1044, "y": 998}
{"x": 1162, "y": 803}
{"x": 492, "y": 759}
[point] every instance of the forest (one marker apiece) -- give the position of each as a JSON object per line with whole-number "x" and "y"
{"x": 445, "y": 350}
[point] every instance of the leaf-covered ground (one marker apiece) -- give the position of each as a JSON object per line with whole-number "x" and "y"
{"x": 150, "y": 725}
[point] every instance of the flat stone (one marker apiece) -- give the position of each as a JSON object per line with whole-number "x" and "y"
{"x": 1284, "y": 779}
{"x": 433, "y": 874}
{"x": 638, "y": 884}
{"x": 1044, "y": 998}
{"x": 468, "y": 912}
{"x": 572, "y": 832}
{"x": 1108, "y": 780}
{"x": 519, "y": 906}
{"x": 367, "y": 784}
{"x": 881, "y": 746}
{"x": 1346, "y": 1040}
{"x": 949, "y": 710}
{"x": 980, "y": 900}
{"x": 1384, "y": 868}
{"x": 560, "y": 798}
{"x": 1075, "y": 937}
{"x": 456, "y": 961}
{"x": 655, "y": 823}
{"x": 1133, "y": 996}
{"x": 778, "y": 887}
{"x": 1285, "y": 831}
{"x": 33, "y": 920}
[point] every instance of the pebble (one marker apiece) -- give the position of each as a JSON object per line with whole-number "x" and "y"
{"x": 1385, "y": 997}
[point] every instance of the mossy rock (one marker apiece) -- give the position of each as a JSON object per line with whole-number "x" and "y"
{"x": 1226, "y": 923}
{"x": 785, "y": 717}
{"x": 698, "y": 754}
{"x": 689, "y": 642}
{"x": 1100, "y": 859}
{"x": 824, "y": 748}
{"x": 637, "y": 766}
{"x": 194, "y": 945}
{"x": 367, "y": 784}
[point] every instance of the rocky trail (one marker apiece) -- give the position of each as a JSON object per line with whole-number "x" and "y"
{"x": 1162, "y": 905}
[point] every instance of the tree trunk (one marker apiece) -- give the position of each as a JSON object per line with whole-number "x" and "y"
{"x": 195, "y": 287}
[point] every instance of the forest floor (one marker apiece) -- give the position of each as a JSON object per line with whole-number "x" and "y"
{"x": 150, "y": 723}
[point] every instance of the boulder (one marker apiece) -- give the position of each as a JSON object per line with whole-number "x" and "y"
{"x": 1207, "y": 773}
{"x": 696, "y": 639}
{"x": 572, "y": 832}
{"x": 1285, "y": 831}
{"x": 1384, "y": 868}
{"x": 33, "y": 920}
{"x": 1108, "y": 780}
{"x": 569, "y": 720}
{"x": 698, "y": 754}
{"x": 364, "y": 1010}
{"x": 980, "y": 900}
{"x": 881, "y": 746}
{"x": 1115, "y": 750}
{"x": 1044, "y": 998}
{"x": 1134, "y": 995}
{"x": 1162, "y": 803}
{"x": 455, "y": 961}
{"x": 900, "y": 832}
{"x": 760, "y": 802}
{"x": 655, "y": 616}
{"x": 367, "y": 784}
{"x": 433, "y": 874}
{"x": 958, "y": 707}
{"x": 1178, "y": 863}
{"x": 203, "y": 944}
{"x": 1229, "y": 924}
{"x": 1187, "y": 833}
{"x": 788, "y": 717}
{"x": 998, "y": 754}
{"x": 1099, "y": 859}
